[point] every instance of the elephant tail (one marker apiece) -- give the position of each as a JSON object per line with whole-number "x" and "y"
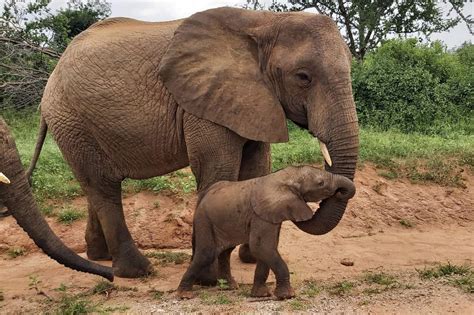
{"x": 39, "y": 145}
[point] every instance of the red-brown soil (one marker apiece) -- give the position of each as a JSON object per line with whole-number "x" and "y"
{"x": 392, "y": 226}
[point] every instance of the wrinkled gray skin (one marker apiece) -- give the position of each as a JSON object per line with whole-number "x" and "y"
{"x": 132, "y": 99}
{"x": 251, "y": 211}
{"x": 17, "y": 197}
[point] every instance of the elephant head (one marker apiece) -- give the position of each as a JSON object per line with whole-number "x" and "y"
{"x": 16, "y": 195}
{"x": 285, "y": 193}
{"x": 250, "y": 70}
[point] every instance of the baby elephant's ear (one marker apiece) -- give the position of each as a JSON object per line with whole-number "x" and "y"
{"x": 276, "y": 206}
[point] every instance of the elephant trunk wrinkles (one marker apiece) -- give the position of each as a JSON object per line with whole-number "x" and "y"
{"x": 343, "y": 148}
{"x": 18, "y": 198}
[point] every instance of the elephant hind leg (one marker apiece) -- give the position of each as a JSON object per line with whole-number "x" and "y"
{"x": 107, "y": 234}
{"x": 105, "y": 201}
{"x": 205, "y": 254}
{"x": 224, "y": 270}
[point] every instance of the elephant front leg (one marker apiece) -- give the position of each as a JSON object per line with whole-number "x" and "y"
{"x": 264, "y": 245}
{"x": 214, "y": 154}
{"x": 260, "y": 288}
{"x": 256, "y": 162}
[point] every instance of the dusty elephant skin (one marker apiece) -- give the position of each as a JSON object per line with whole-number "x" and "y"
{"x": 251, "y": 211}
{"x": 132, "y": 99}
{"x": 15, "y": 194}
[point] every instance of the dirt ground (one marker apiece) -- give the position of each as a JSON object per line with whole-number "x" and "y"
{"x": 391, "y": 228}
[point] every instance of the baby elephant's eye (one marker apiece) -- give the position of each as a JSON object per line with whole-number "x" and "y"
{"x": 320, "y": 183}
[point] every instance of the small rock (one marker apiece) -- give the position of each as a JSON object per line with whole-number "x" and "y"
{"x": 347, "y": 262}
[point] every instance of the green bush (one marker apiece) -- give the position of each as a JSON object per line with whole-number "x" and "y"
{"x": 415, "y": 87}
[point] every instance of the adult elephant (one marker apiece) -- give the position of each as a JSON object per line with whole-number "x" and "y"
{"x": 133, "y": 99}
{"x": 15, "y": 194}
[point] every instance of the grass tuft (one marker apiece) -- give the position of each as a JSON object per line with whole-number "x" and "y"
{"x": 310, "y": 288}
{"x": 380, "y": 278}
{"x": 15, "y": 252}
{"x": 405, "y": 223}
{"x": 341, "y": 288}
{"x": 165, "y": 258}
{"x": 103, "y": 287}
{"x": 444, "y": 270}
{"x": 69, "y": 214}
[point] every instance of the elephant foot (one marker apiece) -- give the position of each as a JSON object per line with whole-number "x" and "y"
{"x": 260, "y": 291}
{"x": 283, "y": 293}
{"x": 131, "y": 265}
{"x": 245, "y": 255}
{"x": 185, "y": 294}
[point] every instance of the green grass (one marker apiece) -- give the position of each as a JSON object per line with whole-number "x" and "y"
{"x": 380, "y": 278}
{"x": 461, "y": 276}
{"x": 341, "y": 288}
{"x": 15, "y": 252}
{"x": 69, "y": 214}
{"x": 166, "y": 258}
{"x": 215, "y": 299}
{"x": 405, "y": 223}
{"x": 444, "y": 270}
{"x": 103, "y": 287}
{"x": 310, "y": 288}
{"x": 419, "y": 158}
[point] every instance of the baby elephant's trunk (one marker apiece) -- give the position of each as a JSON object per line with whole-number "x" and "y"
{"x": 344, "y": 187}
{"x": 330, "y": 210}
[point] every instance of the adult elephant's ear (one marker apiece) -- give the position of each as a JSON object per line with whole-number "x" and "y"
{"x": 212, "y": 70}
{"x": 278, "y": 204}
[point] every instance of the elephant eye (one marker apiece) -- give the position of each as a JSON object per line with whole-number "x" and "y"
{"x": 303, "y": 77}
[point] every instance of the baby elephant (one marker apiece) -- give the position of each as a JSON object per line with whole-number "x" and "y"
{"x": 251, "y": 211}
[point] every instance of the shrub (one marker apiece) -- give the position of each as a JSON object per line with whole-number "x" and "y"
{"x": 415, "y": 87}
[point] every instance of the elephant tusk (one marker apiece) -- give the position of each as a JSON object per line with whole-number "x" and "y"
{"x": 4, "y": 179}
{"x": 325, "y": 152}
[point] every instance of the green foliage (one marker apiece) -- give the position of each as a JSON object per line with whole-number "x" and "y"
{"x": 310, "y": 288}
{"x": 166, "y": 258}
{"x": 366, "y": 23}
{"x": 32, "y": 38}
{"x": 461, "y": 276}
{"x": 15, "y": 252}
{"x": 222, "y": 284}
{"x": 302, "y": 148}
{"x": 405, "y": 223}
{"x": 380, "y": 278}
{"x": 444, "y": 270}
{"x": 341, "y": 288}
{"x": 416, "y": 88}
{"x": 103, "y": 287}
{"x": 69, "y": 214}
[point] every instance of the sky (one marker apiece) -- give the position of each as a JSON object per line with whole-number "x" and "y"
{"x": 162, "y": 10}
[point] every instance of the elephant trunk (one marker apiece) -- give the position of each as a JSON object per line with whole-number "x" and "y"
{"x": 343, "y": 149}
{"x": 18, "y": 198}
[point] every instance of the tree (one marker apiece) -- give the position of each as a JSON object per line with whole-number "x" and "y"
{"x": 366, "y": 23}
{"x": 32, "y": 39}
